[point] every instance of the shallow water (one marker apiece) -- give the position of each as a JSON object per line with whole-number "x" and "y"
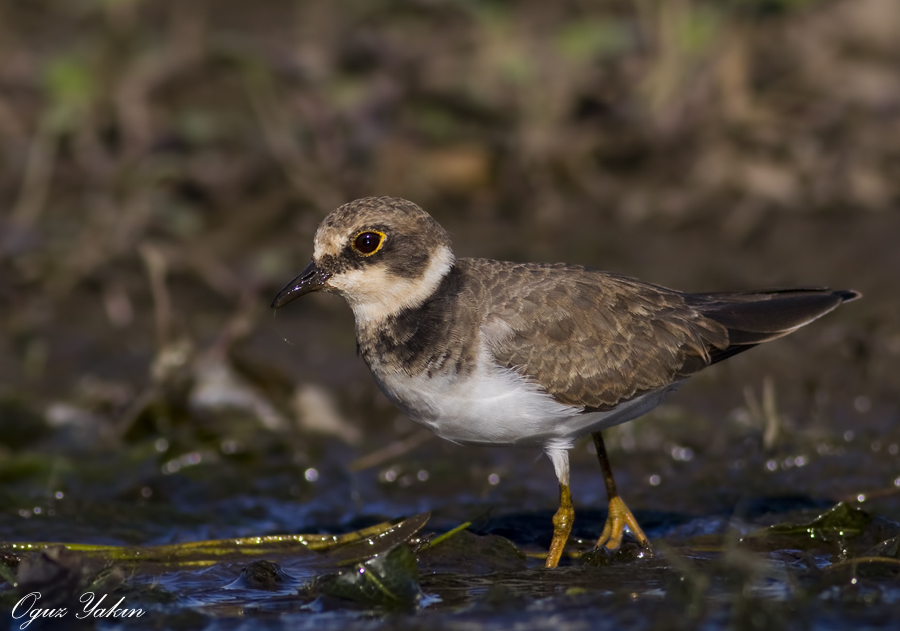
{"x": 706, "y": 492}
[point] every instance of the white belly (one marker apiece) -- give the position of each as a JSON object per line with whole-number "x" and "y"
{"x": 497, "y": 406}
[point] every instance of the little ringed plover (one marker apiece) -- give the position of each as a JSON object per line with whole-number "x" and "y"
{"x": 498, "y": 353}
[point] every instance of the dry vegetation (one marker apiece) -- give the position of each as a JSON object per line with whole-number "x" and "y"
{"x": 151, "y": 144}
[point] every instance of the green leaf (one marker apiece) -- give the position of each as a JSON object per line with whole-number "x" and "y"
{"x": 842, "y": 520}
{"x": 389, "y": 580}
{"x": 344, "y": 548}
{"x": 71, "y": 88}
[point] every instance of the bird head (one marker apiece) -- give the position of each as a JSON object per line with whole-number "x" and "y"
{"x": 382, "y": 254}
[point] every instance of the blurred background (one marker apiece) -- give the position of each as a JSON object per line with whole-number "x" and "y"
{"x": 164, "y": 165}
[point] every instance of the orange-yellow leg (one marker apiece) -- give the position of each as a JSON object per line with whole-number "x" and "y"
{"x": 565, "y": 516}
{"x": 562, "y": 525}
{"x": 619, "y": 516}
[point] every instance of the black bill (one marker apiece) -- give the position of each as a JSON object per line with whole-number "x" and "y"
{"x": 310, "y": 279}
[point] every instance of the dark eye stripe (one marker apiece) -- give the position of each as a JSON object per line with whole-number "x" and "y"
{"x": 368, "y": 243}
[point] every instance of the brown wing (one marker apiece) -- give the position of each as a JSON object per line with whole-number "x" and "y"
{"x": 591, "y": 338}
{"x": 754, "y": 317}
{"x": 596, "y": 339}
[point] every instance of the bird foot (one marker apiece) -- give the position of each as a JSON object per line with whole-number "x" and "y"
{"x": 619, "y": 517}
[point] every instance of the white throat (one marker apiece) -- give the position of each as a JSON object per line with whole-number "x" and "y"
{"x": 375, "y": 294}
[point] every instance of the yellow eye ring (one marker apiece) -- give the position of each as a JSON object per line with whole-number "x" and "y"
{"x": 368, "y": 242}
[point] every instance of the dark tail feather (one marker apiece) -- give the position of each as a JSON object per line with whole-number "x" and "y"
{"x": 755, "y": 317}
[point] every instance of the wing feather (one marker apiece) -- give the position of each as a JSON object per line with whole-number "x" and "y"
{"x": 593, "y": 339}
{"x": 589, "y": 338}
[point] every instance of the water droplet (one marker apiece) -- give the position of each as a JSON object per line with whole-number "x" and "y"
{"x": 494, "y": 479}
{"x": 311, "y": 475}
{"x": 655, "y": 480}
{"x": 683, "y": 454}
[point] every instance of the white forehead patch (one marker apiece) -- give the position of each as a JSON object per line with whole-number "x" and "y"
{"x": 327, "y": 242}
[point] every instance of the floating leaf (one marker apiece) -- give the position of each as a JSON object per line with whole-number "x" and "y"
{"x": 389, "y": 580}
{"x": 372, "y": 544}
{"x": 347, "y": 548}
{"x": 842, "y": 520}
{"x": 889, "y": 548}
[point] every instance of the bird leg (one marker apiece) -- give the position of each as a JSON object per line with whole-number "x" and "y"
{"x": 618, "y": 515}
{"x": 562, "y": 526}
{"x": 565, "y": 516}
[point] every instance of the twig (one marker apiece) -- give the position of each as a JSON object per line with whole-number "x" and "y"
{"x": 393, "y": 450}
{"x": 162, "y": 302}
{"x": 36, "y": 180}
{"x": 770, "y": 413}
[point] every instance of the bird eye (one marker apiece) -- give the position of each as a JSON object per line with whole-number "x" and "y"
{"x": 368, "y": 243}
